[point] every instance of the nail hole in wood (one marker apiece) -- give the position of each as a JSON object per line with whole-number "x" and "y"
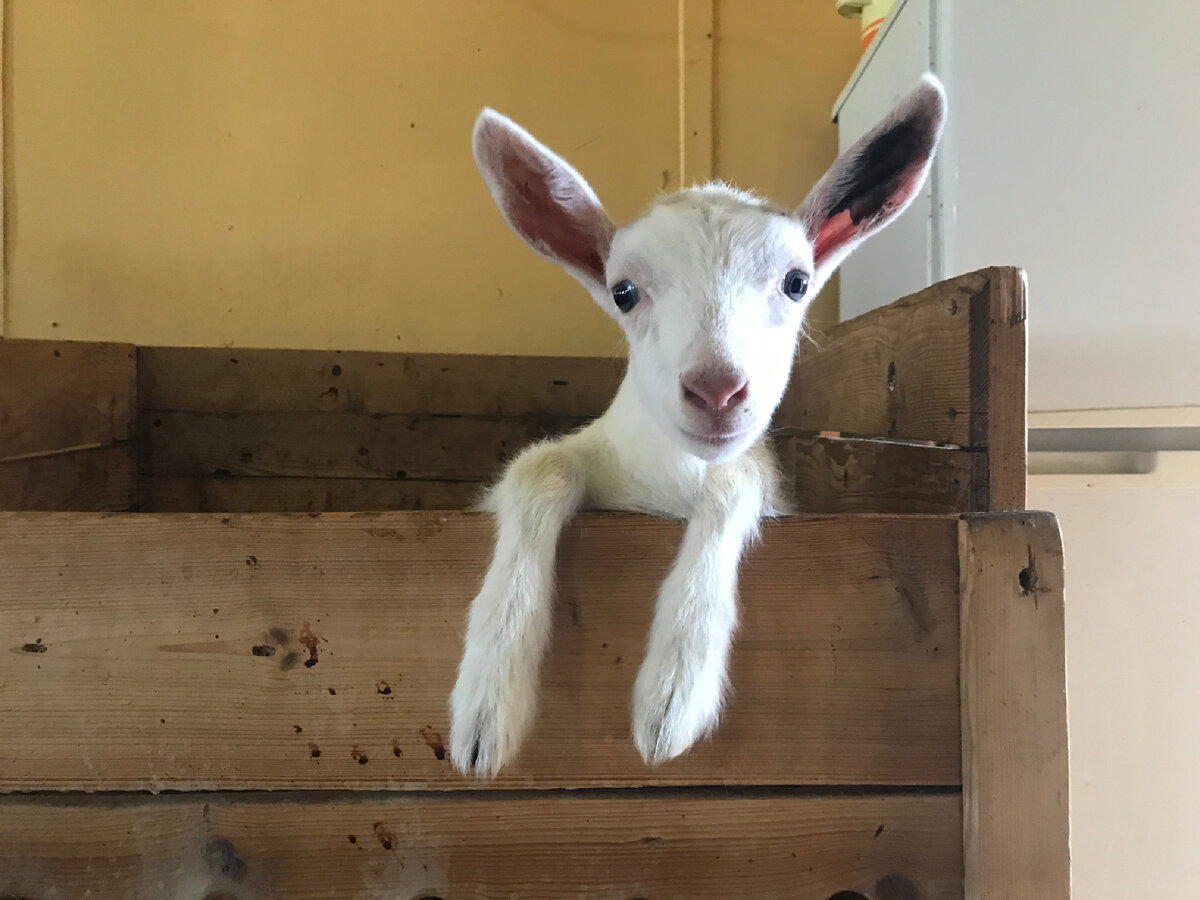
{"x": 1028, "y": 579}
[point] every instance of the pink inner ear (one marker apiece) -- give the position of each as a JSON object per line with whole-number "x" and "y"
{"x": 843, "y": 228}
{"x": 557, "y": 215}
{"x": 833, "y": 233}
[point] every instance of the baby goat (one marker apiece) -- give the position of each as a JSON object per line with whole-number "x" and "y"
{"x": 710, "y": 287}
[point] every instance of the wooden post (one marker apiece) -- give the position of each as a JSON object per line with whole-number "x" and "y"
{"x": 1016, "y": 829}
{"x": 998, "y": 389}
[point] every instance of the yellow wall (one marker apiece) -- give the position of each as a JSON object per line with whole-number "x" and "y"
{"x": 255, "y": 173}
{"x": 779, "y": 66}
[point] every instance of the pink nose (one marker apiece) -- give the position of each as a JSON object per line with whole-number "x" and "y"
{"x": 715, "y": 390}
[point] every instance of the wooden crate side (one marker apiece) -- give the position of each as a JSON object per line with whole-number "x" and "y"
{"x": 195, "y": 462}
{"x": 336, "y": 445}
{"x": 58, "y": 396}
{"x": 304, "y": 430}
{"x": 172, "y": 493}
{"x": 304, "y": 462}
{"x": 823, "y": 475}
{"x": 615, "y": 845}
{"x": 98, "y": 479}
{"x": 998, "y": 388}
{"x": 66, "y": 423}
{"x": 1016, "y": 829}
{"x": 326, "y": 648}
{"x": 839, "y": 475}
{"x": 244, "y": 380}
{"x": 901, "y": 372}
{"x": 945, "y": 365}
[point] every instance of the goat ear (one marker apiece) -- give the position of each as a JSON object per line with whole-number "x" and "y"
{"x": 543, "y": 198}
{"x": 872, "y": 182}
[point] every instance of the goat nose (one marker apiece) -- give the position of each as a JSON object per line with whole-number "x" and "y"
{"x": 715, "y": 391}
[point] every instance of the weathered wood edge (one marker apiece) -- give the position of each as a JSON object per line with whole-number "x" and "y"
{"x": 613, "y": 845}
{"x": 1016, "y": 818}
{"x": 998, "y": 390}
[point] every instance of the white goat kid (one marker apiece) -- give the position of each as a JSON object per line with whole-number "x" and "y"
{"x": 710, "y": 287}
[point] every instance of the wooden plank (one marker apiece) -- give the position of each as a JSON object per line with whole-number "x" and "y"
{"x": 825, "y": 475}
{"x": 998, "y": 384}
{"x": 167, "y": 493}
{"x": 845, "y": 670}
{"x": 551, "y": 846}
{"x": 332, "y": 445}
{"x": 100, "y": 480}
{"x": 905, "y": 371}
{"x": 1014, "y": 713}
{"x": 837, "y": 475}
{"x": 216, "y": 380}
{"x": 61, "y": 395}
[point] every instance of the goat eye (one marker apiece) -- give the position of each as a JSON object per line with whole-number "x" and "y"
{"x": 795, "y": 284}
{"x": 626, "y": 294}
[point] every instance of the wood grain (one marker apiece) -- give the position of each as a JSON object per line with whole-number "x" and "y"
{"x": 998, "y": 384}
{"x": 838, "y": 475}
{"x": 184, "y": 452}
{"x": 900, "y": 372}
{"x": 63, "y": 395}
{"x": 100, "y": 479}
{"x": 612, "y": 845}
{"x": 169, "y": 493}
{"x": 336, "y": 445}
{"x": 1015, "y": 788}
{"x": 242, "y": 380}
{"x": 170, "y": 651}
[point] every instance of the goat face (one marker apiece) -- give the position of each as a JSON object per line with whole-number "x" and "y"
{"x": 710, "y": 288}
{"x": 711, "y": 284}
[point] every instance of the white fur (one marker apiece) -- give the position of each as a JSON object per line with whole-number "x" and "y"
{"x": 710, "y": 263}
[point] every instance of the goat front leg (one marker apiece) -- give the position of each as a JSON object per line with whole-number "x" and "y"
{"x": 494, "y": 700}
{"x": 679, "y": 690}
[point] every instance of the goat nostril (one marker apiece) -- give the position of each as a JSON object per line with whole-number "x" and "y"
{"x": 694, "y": 398}
{"x": 728, "y": 396}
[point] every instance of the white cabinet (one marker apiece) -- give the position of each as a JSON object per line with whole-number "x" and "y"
{"x": 900, "y": 259}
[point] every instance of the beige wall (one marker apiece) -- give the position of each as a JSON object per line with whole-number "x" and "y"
{"x": 297, "y": 174}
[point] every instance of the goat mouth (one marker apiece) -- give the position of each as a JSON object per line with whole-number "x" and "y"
{"x": 723, "y": 439}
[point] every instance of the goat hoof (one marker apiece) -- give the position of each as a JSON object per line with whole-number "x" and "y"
{"x": 671, "y": 711}
{"x": 489, "y": 717}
